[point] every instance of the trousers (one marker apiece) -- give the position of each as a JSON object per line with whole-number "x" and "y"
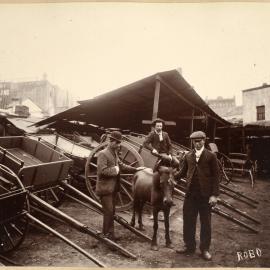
{"x": 195, "y": 204}
{"x": 108, "y": 207}
{"x": 165, "y": 160}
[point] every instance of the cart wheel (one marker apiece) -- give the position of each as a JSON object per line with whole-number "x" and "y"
{"x": 52, "y": 195}
{"x": 129, "y": 156}
{"x": 226, "y": 168}
{"x": 13, "y": 208}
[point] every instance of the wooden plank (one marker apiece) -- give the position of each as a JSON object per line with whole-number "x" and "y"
{"x": 195, "y": 117}
{"x": 167, "y": 123}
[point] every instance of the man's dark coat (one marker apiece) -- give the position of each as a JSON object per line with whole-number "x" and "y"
{"x": 108, "y": 179}
{"x": 152, "y": 142}
{"x": 208, "y": 172}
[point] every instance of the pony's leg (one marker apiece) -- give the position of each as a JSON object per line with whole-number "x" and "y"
{"x": 132, "y": 222}
{"x": 140, "y": 210}
{"x": 167, "y": 227}
{"x": 154, "y": 245}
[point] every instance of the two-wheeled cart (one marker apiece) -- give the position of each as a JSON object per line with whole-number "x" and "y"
{"x": 31, "y": 174}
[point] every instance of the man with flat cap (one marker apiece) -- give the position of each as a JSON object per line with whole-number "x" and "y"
{"x": 108, "y": 181}
{"x": 200, "y": 168}
{"x": 159, "y": 143}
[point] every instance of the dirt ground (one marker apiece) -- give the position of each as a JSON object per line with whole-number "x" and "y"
{"x": 230, "y": 242}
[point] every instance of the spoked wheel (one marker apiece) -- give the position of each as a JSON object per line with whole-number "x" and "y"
{"x": 52, "y": 195}
{"x": 13, "y": 208}
{"x": 129, "y": 156}
{"x": 226, "y": 168}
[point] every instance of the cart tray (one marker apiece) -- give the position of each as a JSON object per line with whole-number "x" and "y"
{"x": 65, "y": 145}
{"x": 26, "y": 157}
{"x": 36, "y": 164}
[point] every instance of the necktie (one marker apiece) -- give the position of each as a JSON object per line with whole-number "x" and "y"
{"x": 160, "y": 136}
{"x": 197, "y": 154}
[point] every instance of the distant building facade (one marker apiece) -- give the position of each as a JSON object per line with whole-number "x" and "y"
{"x": 50, "y": 98}
{"x": 256, "y": 104}
{"x": 19, "y": 106}
{"x": 221, "y": 106}
{"x": 234, "y": 115}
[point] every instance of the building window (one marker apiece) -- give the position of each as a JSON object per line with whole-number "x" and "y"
{"x": 260, "y": 113}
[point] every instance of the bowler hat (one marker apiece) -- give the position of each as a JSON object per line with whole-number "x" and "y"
{"x": 116, "y": 135}
{"x": 197, "y": 135}
{"x": 158, "y": 120}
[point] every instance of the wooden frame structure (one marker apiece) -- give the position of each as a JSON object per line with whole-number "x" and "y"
{"x": 166, "y": 95}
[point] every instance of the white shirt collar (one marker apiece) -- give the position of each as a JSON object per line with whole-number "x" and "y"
{"x": 199, "y": 152}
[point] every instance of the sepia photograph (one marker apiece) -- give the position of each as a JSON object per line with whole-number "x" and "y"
{"x": 135, "y": 135}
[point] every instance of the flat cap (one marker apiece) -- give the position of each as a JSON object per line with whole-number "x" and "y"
{"x": 197, "y": 135}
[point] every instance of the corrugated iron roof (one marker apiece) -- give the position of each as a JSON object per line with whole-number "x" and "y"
{"x": 262, "y": 123}
{"x": 127, "y": 106}
{"x": 24, "y": 124}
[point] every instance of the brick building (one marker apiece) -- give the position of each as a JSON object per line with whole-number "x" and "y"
{"x": 50, "y": 98}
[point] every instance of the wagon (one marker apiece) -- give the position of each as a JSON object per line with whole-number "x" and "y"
{"x": 73, "y": 150}
{"x": 243, "y": 165}
{"x": 26, "y": 165}
{"x": 41, "y": 172}
{"x": 13, "y": 208}
{"x": 31, "y": 176}
{"x": 39, "y": 168}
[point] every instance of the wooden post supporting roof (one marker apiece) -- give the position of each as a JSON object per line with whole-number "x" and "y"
{"x": 192, "y": 124}
{"x": 214, "y": 131}
{"x": 156, "y": 106}
{"x": 243, "y": 140}
{"x": 156, "y": 100}
{"x": 207, "y": 124}
{"x": 229, "y": 136}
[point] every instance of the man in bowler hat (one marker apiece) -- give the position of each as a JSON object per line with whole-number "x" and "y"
{"x": 108, "y": 182}
{"x": 159, "y": 143}
{"x": 200, "y": 168}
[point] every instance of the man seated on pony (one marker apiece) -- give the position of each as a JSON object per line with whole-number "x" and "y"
{"x": 159, "y": 143}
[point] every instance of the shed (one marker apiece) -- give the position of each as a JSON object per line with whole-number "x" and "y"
{"x": 166, "y": 95}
